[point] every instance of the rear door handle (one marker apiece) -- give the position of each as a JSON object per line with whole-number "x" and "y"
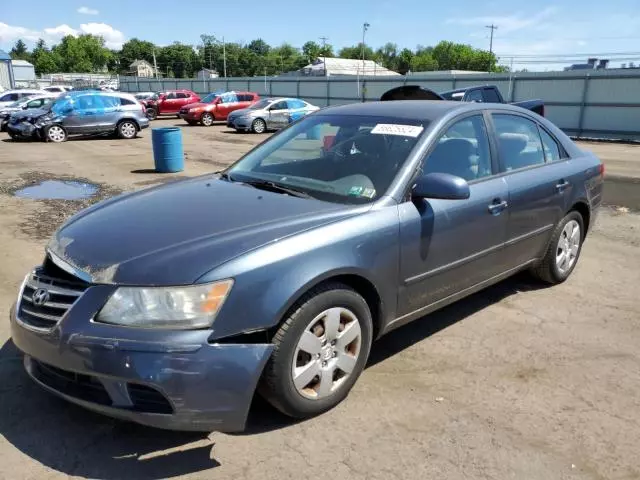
{"x": 562, "y": 185}
{"x": 497, "y": 206}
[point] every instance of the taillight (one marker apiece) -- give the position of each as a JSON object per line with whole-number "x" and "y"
{"x": 601, "y": 169}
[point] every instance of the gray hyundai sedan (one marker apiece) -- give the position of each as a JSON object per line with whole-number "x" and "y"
{"x": 172, "y": 306}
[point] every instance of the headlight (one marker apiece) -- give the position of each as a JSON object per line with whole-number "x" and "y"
{"x": 188, "y": 307}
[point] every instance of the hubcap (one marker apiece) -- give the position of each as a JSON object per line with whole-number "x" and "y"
{"x": 207, "y": 119}
{"x": 56, "y": 134}
{"x": 568, "y": 246}
{"x": 259, "y": 126}
{"x": 326, "y": 353}
{"x": 128, "y": 130}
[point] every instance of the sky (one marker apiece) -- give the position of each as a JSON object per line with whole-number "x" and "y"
{"x": 543, "y": 30}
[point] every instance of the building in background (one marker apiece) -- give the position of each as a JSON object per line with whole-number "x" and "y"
{"x": 141, "y": 68}
{"x": 24, "y": 73}
{"x": 6, "y": 71}
{"x": 207, "y": 74}
{"x": 592, "y": 64}
{"x": 332, "y": 67}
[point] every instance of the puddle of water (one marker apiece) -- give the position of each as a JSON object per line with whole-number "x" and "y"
{"x": 58, "y": 190}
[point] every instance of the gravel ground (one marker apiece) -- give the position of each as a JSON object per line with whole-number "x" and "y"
{"x": 519, "y": 381}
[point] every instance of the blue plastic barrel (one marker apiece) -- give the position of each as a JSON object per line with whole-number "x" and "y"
{"x": 168, "y": 154}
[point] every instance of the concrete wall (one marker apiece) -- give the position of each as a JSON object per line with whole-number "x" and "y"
{"x": 586, "y": 104}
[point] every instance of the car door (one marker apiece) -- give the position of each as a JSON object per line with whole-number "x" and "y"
{"x": 539, "y": 186}
{"x": 108, "y": 112}
{"x": 297, "y": 109}
{"x": 449, "y": 246}
{"x": 278, "y": 115}
{"x": 170, "y": 103}
{"x": 79, "y": 116}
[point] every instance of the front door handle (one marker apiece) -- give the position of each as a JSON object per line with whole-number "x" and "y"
{"x": 497, "y": 206}
{"x": 562, "y": 185}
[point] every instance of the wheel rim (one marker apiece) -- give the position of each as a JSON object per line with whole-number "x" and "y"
{"x": 128, "y": 130}
{"x": 259, "y": 126}
{"x": 207, "y": 119}
{"x": 56, "y": 134}
{"x": 568, "y": 246}
{"x": 326, "y": 353}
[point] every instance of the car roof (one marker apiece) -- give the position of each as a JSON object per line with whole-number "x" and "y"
{"x": 419, "y": 110}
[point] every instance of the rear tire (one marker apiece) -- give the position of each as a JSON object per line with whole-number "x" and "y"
{"x": 56, "y": 134}
{"x": 152, "y": 113}
{"x": 563, "y": 251}
{"x": 207, "y": 119}
{"x": 258, "y": 126}
{"x": 320, "y": 351}
{"x": 127, "y": 129}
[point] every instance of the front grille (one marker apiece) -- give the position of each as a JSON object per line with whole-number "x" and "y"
{"x": 147, "y": 399}
{"x": 84, "y": 387}
{"x": 62, "y": 291}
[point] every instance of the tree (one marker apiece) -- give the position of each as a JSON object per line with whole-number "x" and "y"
{"x": 311, "y": 51}
{"x": 259, "y": 47}
{"x": 19, "y": 51}
{"x": 134, "y": 50}
{"x": 44, "y": 61}
{"x": 355, "y": 52}
{"x": 179, "y": 59}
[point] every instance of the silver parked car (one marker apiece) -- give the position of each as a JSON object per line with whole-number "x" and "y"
{"x": 269, "y": 114}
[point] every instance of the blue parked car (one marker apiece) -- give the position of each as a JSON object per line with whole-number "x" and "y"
{"x": 81, "y": 112}
{"x": 171, "y": 306}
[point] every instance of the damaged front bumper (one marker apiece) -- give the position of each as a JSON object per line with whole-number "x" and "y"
{"x": 173, "y": 380}
{"x": 23, "y": 129}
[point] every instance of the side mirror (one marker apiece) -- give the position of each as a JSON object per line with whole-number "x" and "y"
{"x": 441, "y": 186}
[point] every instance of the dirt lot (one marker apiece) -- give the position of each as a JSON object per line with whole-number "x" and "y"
{"x": 519, "y": 381}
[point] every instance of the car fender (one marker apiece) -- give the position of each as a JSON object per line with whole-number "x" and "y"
{"x": 269, "y": 280}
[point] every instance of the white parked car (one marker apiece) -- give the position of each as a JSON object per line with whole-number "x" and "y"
{"x": 58, "y": 88}
{"x": 25, "y": 103}
{"x": 11, "y": 96}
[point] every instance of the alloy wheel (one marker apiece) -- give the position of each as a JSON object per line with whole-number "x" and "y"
{"x": 128, "y": 130}
{"x": 259, "y": 126}
{"x": 56, "y": 134}
{"x": 207, "y": 120}
{"x": 568, "y": 246}
{"x": 326, "y": 353}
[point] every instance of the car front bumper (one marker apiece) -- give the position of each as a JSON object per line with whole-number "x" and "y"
{"x": 143, "y": 123}
{"x": 239, "y": 123}
{"x": 184, "y": 383}
{"x": 191, "y": 117}
{"x": 22, "y": 129}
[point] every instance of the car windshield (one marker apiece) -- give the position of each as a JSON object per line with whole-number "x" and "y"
{"x": 210, "y": 98}
{"x": 343, "y": 159}
{"x": 261, "y": 104}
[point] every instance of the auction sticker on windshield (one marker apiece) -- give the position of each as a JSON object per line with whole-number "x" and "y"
{"x": 395, "y": 129}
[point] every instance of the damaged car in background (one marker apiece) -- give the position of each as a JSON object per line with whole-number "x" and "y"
{"x": 172, "y": 306}
{"x": 26, "y": 103}
{"x": 82, "y": 112}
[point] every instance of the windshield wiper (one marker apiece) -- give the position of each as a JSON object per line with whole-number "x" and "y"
{"x": 275, "y": 187}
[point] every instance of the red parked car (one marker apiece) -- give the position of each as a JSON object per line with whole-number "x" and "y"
{"x": 216, "y": 106}
{"x": 170, "y": 102}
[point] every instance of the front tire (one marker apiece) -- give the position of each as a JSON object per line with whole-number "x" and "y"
{"x": 207, "y": 119}
{"x": 127, "y": 129}
{"x": 152, "y": 113}
{"x": 564, "y": 250}
{"x": 56, "y": 134}
{"x": 320, "y": 351}
{"x": 258, "y": 126}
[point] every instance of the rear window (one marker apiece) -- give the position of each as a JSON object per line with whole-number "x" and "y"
{"x": 126, "y": 101}
{"x": 296, "y": 104}
{"x": 491, "y": 96}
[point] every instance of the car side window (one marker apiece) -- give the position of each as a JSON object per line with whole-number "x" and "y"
{"x": 463, "y": 150}
{"x": 9, "y": 97}
{"x": 491, "y": 96}
{"x": 126, "y": 101}
{"x": 293, "y": 104}
{"x": 35, "y": 103}
{"x": 519, "y": 142}
{"x": 171, "y": 96}
{"x": 279, "y": 106}
{"x": 474, "y": 96}
{"x": 182, "y": 95}
{"x": 552, "y": 151}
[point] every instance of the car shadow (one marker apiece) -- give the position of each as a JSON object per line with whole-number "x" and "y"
{"x": 77, "y": 442}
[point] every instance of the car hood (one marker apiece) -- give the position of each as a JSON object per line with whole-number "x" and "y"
{"x": 29, "y": 113}
{"x": 174, "y": 234}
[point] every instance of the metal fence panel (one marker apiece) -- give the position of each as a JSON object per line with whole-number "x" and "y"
{"x": 594, "y": 103}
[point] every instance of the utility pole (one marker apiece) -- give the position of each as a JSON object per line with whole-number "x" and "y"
{"x": 224, "y": 57}
{"x": 324, "y": 53}
{"x": 365, "y": 27}
{"x": 155, "y": 65}
{"x": 492, "y": 27}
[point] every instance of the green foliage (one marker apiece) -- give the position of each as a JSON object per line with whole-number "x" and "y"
{"x": 87, "y": 53}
